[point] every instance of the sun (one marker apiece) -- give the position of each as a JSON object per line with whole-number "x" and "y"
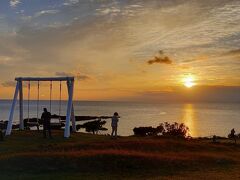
{"x": 189, "y": 81}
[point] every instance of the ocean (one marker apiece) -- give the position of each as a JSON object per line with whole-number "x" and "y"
{"x": 203, "y": 119}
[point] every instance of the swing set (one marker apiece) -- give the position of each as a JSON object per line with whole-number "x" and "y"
{"x": 19, "y": 92}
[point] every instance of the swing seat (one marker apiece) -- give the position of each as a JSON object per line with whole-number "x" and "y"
{"x": 32, "y": 122}
{"x": 56, "y": 122}
{"x": 57, "y": 125}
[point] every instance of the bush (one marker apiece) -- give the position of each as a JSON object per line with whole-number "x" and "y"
{"x": 146, "y": 131}
{"x": 175, "y": 129}
{"x": 94, "y": 126}
{"x": 164, "y": 129}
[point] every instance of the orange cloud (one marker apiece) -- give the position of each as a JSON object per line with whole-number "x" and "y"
{"x": 160, "y": 58}
{"x": 78, "y": 75}
{"x": 164, "y": 60}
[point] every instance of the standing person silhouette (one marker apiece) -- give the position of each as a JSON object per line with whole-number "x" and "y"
{"x": 114, "y": 124}
{"x": 46, "y": 118}
{"x": 232, "y": 135}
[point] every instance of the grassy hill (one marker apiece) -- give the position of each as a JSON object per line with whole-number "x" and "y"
{"x": 26, "y": 155}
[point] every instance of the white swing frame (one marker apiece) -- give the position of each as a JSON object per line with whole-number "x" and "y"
{"x": 19, "y": 91}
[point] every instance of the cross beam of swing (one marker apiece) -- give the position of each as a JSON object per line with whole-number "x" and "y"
{"x": 19, "y": 91}
{"x": 44, "y": 78}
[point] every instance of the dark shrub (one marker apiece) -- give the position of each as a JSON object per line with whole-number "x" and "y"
{"x": 147, "y": 131}
{"x": 94, "y": 126}
{"x": 164, "y": 129}
{"x": 142, "y": 131}
{"x": 175, "y": 129}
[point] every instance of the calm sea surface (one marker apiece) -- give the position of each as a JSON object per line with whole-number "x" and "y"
{"x": 203, "y": 119}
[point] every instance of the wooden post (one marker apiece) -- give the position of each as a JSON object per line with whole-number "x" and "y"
{"x": 10, "y": 120}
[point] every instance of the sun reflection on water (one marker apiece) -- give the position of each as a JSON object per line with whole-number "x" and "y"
{"x": 189, "y": 118}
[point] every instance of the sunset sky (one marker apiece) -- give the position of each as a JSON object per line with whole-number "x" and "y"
{"x": 124, "y": 49}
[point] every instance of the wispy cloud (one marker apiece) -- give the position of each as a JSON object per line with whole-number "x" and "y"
{"x": 117, "y": 9}
{"x": 4, "y": 59}
{"x": 70, "y": 2}
{"x": 63, "y": 74}
{"x": 234, "y": 52}
{"x": 80, "y": 77}
{"x": 14, "y": 3}
{"x": 9, "y": 84}
{"x": 200, "y": 94}
{"x": 110, "y": 10}
{"x": 45, "y": 12}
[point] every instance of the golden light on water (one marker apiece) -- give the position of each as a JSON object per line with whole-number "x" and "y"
{"x": 189, "y": 81}
{"x": 189, "y": 118}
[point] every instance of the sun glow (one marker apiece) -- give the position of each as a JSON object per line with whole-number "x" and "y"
{"x": 188, "y": 81}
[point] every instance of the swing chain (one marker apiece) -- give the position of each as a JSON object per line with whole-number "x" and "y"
{"x": 29, "y": 89}
{"x": 38, "y": 94}
{"x": 50, "y": 102}
{"x": 60, "y": 99}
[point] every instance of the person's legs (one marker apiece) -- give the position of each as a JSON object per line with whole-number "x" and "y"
{"x": 116, "y": 131}
{"x": 112, "y": 131}
{"x": 49, "y": 131}
{"x": 1, "y": 135}
{"x": 44, "y": 131}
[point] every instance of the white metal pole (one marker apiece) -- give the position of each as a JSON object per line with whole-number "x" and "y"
{"x": 74, "y": 129}
{"x": 69, "y": 109}
{"x": 10, "y": 120}
{"x": 72, "y": 111}
{"x": 21, "y": 105}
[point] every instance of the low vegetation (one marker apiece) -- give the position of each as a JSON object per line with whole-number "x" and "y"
{"x": 94, "y": 126}
{"x": 26, "y": 155}
{"x": 164, "y": 129}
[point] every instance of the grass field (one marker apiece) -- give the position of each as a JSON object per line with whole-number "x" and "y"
{"x": 26, "y": 155}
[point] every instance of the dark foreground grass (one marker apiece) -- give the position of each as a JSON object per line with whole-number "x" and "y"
{"x": 26, "y": 155}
